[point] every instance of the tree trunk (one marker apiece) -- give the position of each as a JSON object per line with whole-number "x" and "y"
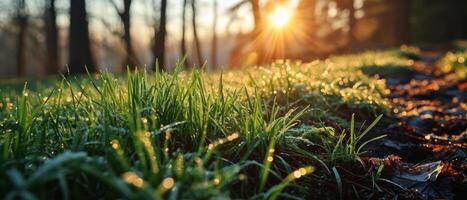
{"x": 237, "y": 54}
{"x": 214, "y": 37}
{"x": 195, "y": 34}
{"x": 183, "y": 50}
{"x": 257, "y": 30}
{"x": 160, "y": 33}
{"x": 22, "y": 23}
{"x": 352, "y": 22}
{"x": 256, "y": 13}
{"x": 51, "y": 66}
{"x": 402, "y": 14}
{"x": 80, "y": 56}
{"x": 131, "y": 59}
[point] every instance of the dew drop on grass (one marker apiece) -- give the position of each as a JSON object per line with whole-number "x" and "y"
{"x": 115, "y": 144}
{"x": 270, "y": 158}
{"x": 210, "y": 146}
{"x": 29, "y": 166}
{"x": 168, "y": 183}
{"x": 216, "y": 181}
{"x": 297, "y": 174}
{"x": 461, "y": 60}
{"x": 133, "y": 179}
{"x": 302, "y": 171}
{"x": 144, "y": 120}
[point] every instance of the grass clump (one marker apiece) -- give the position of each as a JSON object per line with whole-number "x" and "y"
{"x": 410, "y": 52}
{"x": 240, "y": 134}
{"x": 454, "y": 63}
{"x": 333, "y": 88}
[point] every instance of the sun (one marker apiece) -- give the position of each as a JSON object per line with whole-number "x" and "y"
{"x": 280, "y": 17}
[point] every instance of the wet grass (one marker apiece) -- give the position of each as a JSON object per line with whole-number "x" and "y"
{"x": 251, "y": 133}
{"x": 454, "y": 63}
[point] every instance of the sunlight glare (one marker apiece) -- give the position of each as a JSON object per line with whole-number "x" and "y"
{"x": 280, "y": 17}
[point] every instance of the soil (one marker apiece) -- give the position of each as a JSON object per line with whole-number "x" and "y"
{"x": 427, "y": 144}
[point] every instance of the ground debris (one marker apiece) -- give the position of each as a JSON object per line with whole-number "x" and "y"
{"x": 424, "y": 178}
{"x": 426, "y": 149}
{"x": 406, "y": 175}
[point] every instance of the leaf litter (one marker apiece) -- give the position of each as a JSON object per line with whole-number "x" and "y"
{"x": 425, "y": 151}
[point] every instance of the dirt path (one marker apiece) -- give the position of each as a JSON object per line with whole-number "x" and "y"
{"x": 427, "y": 145}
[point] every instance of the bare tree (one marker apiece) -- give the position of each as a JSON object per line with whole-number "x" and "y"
{"x": 80, "y": 55}
{"x": 51, "y": 64}
{"x": 160, "y": 36}
{"x": 131, "y": 60}
{"x": 214, "y": 36}
{"x": 22, "y": 25}
{"x": 195, "y": 34}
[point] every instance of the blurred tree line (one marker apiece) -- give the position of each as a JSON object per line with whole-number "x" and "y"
{"x": 324, "y": 27}
{"x": 30, "y": 28}
{"x": 33, "y": 40}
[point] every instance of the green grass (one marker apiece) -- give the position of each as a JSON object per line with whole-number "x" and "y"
{"x": 251, "y": 133}
{"x": 454, "y": 64}
{"x": 410, "y": 52}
